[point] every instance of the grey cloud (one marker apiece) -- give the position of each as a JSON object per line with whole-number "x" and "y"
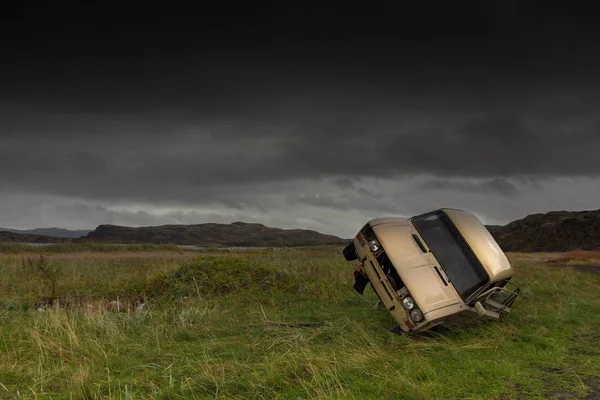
{"x": 317, "y": 200}
{"x": 345, "y": 200}
{"x": 76, "y": 215}
{"x": 85, "y": 162}
{"x": 404, "y": 197}
{"x": 495, "y": 186}
{"x": 344, "y": 183}
{"x": 189, "y": 163}
{"x": 97, "y": 215}
{"x": 190, "y": 167}
{"x": 499, "y": 128}
{"x": 365, "y": 192}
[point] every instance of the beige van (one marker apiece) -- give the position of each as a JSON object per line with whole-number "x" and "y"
{"x": 435, "y": 268}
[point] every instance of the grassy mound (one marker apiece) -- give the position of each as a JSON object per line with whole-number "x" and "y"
{"x": 219, "y": 276}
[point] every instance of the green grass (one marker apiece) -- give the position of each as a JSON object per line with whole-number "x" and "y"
{"x": 203, "y": 335}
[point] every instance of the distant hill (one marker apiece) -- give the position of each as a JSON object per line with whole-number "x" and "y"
{"x": 55, "y": 232}
{"x": 12, "y": 237}
{"x": 552, "y": 231}
{"x": 210, "y": 234}
{"x": 494, "y": 228}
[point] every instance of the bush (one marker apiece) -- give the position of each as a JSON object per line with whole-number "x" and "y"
{"x": 40, "y": 268}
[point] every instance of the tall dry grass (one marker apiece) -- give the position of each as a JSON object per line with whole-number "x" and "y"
{"x": 578, "y": 257}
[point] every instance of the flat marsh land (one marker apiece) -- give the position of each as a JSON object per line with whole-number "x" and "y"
{"x": 157, "y": 322}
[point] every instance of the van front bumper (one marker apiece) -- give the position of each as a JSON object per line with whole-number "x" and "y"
{"x": 384, "y": 290}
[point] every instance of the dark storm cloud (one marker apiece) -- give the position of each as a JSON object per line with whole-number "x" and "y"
{"x": 189, "y": 162}
{"x": 312, "y": 106}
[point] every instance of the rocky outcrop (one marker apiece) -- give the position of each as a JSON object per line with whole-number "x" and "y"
{"x": 235, "y": 234}
{"x": 552, "y": 231}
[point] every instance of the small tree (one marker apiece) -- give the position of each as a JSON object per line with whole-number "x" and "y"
{"x": 44, "y": 270}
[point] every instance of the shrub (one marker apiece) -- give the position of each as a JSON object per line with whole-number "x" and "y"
{"x": 40, "y": 268}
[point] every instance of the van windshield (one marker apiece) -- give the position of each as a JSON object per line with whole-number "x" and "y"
{"x": 452, "y": 252}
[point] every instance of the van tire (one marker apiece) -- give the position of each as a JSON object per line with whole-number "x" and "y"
{"x": 349, "y": 252}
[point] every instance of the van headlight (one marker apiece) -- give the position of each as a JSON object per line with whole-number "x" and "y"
{"x": 408, "y": 303}
{"x": 416, "y": 315}
{"x": 374, "y": 245}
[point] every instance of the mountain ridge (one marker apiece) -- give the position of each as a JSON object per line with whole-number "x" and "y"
{"x": 213, "y": 234}
{"x": 12, "y": 237}
{"x": 551, "y": 231}
{"x": 53, "y": 231}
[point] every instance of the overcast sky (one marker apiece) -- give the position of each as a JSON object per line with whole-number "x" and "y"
{"x": 317, "y": 116}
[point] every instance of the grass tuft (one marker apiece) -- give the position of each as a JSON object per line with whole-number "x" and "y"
{"x": 220, "y": 276}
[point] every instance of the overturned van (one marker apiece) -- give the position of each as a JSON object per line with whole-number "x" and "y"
{"x": 435, "y": 268}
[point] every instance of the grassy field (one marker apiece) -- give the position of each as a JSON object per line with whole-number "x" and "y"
{"x": 162, "y": 323}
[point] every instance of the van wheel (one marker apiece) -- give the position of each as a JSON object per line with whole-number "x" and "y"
{"x": 349, "y": 252}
